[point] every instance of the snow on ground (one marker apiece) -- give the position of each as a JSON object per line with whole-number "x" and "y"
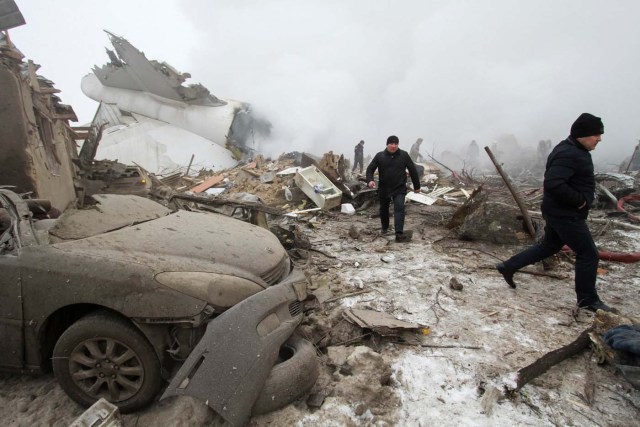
{"x": 479, "y": 337}
{"x": 497, "y": 330}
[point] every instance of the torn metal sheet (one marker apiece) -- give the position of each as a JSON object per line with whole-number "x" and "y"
{"x": 130, "y": 69}
{"x": 289, "y": 171}
{"x": 380, "y": 322}
{"x": 428, "y": 198}
{"x": 420, "y": 198}
{"x": 232, "y": 361}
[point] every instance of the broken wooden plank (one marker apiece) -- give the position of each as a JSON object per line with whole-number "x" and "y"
{"x": 347, "y": 295}
{"x": 295, "y": 214}
{"x": 208, "y": 200}
{"x": 540, "y": 366}
{"x": 207, "y": 183}
{"x": 382, "y": 323}
{"x": 531, "y": 272}
{"x": 33, "y": 78}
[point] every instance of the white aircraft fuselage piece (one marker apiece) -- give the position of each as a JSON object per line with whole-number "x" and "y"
{"x": 154, "y": 90}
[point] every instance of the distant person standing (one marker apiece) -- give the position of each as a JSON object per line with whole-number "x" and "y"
{"x": 358, "y": 155}
{"x": 544, "y": 147}
{"x": 392, "y": 165}
{"x": 473, "y": 152}
{"x": 569, "y": 187}
{"x": 414, "y": 152}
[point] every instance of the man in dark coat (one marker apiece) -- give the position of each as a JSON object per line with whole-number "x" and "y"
{"x": 569, "y": 188}
{"x": 358, "y": 156}
{"x": 392, "y": 165}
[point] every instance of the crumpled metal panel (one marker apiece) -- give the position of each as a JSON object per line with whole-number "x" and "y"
{"x": 130, "y": 69}
{"x": 232, "y": 361}
{"x": 10, "y": 15}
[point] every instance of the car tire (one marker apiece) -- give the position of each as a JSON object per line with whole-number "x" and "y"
{"x": 103, "y": 355}
{"x": 291, "y": 377}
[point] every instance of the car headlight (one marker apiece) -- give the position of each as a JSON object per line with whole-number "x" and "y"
{"x": 218, "y": 289}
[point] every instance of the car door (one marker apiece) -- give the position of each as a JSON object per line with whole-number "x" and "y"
{"x": 11, "y": 333}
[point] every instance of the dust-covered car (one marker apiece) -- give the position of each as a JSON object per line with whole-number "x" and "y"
{"x": 115, "y": 297}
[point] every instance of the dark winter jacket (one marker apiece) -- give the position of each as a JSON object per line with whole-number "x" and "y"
{"x": 392, "y": 173}
{"x": 359, "y": 151}
{"x": 568, "y": 181}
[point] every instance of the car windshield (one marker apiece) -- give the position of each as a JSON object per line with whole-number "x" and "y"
{"x": 111, "y": 212}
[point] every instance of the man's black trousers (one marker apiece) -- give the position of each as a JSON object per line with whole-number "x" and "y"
{"x": 574, "y": 233}
{"x": 398, "y": 212}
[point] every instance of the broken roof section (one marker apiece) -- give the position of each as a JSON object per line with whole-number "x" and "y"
{"x": 165, "y": 121}
{"x": 10, "y": 15}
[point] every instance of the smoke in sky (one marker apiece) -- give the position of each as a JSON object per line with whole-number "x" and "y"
{"x": 329, "y": 73}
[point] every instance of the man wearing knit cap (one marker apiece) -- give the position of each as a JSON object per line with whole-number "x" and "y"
{"x": 569, "y": 188}
{"x": 392, "y": 165}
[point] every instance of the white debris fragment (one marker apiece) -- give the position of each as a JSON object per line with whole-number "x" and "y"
{"x": 347, "y": 208}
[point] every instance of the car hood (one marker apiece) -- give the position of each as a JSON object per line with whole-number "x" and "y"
{"x": 191, "y": 241}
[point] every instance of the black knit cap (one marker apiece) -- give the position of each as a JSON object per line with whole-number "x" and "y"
{"x": 393, "y": 140}
{"x": 587, "y": 125}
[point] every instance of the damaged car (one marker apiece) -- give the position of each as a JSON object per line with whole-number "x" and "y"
{"x": 115, "y": 297}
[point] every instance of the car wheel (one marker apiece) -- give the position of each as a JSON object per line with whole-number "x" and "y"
{"x": 291, "y": 377}
{"x": 102, "y": 355}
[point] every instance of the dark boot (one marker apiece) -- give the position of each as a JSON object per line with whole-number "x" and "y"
{"x": 507, "y": 274}
{"x": 404, "y": 237}
{"x": 599, "y": 305}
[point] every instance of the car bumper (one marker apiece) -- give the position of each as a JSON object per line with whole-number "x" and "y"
{"x": 230, "y": 364}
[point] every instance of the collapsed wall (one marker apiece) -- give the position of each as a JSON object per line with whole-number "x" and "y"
{"x": 37, "y": 143}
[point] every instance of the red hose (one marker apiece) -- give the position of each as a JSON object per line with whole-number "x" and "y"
{"x": 613, "y": 256}
{"x": 619, "y": 256}
{"x": 625, "y": 199}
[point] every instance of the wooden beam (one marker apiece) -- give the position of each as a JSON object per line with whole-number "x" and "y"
{"x": 33, "y": 78}
{"x": 507, "y": 181}
{"x": 49, "y": 90}
{"x": 550, "y": 359}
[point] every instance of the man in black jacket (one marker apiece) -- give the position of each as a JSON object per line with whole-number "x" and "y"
{"x": 392, "y": 165}
{"x": 569, "y": 188}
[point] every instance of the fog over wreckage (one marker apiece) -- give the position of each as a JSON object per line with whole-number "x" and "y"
{"x": 328, "y": 74}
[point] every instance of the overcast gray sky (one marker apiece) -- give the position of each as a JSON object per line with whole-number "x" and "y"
{"x": 328, "y": 73}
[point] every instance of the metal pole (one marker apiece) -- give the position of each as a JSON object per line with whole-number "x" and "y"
{"x": 633, "y": 156}
{"x": 189, "y": 167}
{"x": 523, "y": 208}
